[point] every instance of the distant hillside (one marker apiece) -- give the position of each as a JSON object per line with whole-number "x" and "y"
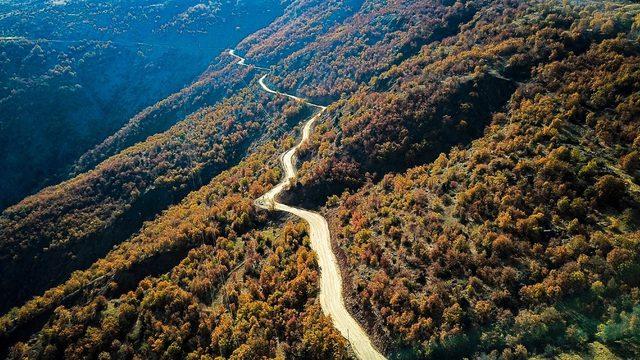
{"x": 72, "y": 72}
{"x": 315, "y": 17}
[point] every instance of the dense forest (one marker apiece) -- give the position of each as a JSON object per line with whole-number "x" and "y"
{"x": 478, "y": 164}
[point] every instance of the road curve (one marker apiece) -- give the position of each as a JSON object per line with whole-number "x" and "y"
{"x": 331, "y": 299}
{"x": 241, "y": 61}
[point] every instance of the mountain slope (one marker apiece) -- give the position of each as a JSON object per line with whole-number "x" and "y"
{"x": 477, "y": 164}
{"x": 507, "y": 237}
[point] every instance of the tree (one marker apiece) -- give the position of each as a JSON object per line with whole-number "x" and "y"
{"x": 610, "y": 190}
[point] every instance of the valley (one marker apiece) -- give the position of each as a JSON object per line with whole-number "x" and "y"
{"x": 73, "y": 73}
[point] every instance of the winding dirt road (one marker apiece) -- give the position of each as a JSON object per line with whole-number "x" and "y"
{"x": 331, "y": 298}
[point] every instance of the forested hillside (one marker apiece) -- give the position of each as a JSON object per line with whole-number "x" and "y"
{"x": 478, "y": 164}
{"x": 73, "y": 72}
